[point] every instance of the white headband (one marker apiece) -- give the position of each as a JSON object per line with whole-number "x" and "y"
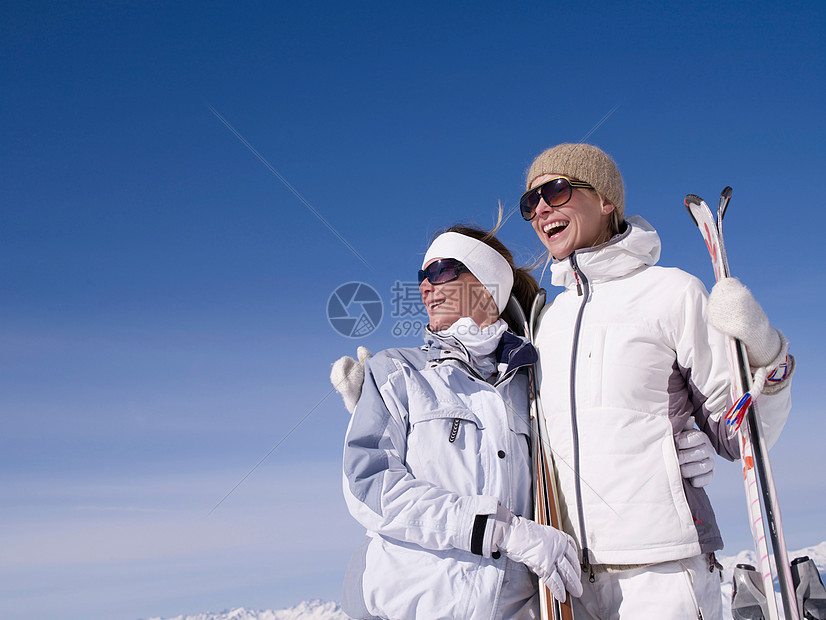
{"x": 488, "y": 265}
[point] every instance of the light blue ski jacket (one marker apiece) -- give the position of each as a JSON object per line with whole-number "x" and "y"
{"x": 431, "y": 450}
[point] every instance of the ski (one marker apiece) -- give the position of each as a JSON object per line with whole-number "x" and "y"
{"x": 545, "y": 495}
{"x": 761, "y": 496}
{"x": 546, "y": 509}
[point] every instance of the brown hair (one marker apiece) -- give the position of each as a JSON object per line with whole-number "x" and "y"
{"x": 525, "y": 286}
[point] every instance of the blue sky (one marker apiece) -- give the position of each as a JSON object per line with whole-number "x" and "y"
{"x": 163, "y": 294}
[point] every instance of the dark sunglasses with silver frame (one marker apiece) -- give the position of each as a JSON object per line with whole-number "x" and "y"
{"x": 442, "y": 271}
{"x": 555, "y": 193}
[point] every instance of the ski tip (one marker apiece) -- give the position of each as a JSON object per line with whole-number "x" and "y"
{"x": 692, "y": 200}
{"x": 725, "y": 198}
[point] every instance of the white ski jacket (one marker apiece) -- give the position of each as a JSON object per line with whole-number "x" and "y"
{"x": 431, "y": 450}
{"x": 626, "y": 355}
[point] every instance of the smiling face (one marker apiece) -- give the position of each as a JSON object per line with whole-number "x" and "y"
{"x": 582, "y": 222}
{"x": 466, "y": 296}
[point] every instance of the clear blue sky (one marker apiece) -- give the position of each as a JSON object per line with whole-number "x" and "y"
{"x": 163, "y": 294}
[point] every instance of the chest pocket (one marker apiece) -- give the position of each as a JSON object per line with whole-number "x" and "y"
{"x": 443, "y": 444}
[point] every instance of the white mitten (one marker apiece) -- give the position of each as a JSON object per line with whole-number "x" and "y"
{"x": 347, "y": 376}
{"x": 696, "y": 456}
{"x": 548, "y": 552}
{"x": 734, "y": 311}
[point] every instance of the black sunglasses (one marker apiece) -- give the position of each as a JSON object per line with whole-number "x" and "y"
{"x": 442, "y": 270}
{"x": 555, "y": 193}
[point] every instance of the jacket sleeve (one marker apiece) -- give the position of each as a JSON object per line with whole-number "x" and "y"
{"x": 703, "y": 358}
{"x": 380, "y": 491}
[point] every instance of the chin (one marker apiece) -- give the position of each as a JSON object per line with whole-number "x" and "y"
{"x": 438, "y": 324}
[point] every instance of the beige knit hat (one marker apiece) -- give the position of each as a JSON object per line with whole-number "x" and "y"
{"x": 583, "y": 162}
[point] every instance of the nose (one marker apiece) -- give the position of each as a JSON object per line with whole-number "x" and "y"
{"x": 542, "y": 208}
{"x": 425, "y": 288}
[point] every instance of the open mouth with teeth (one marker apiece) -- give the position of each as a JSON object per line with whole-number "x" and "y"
{"x": 433, "y": 304}
{"x": 554, "y": 228}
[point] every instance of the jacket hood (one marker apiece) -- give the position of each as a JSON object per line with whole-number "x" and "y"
{"x": 638, "y": 246}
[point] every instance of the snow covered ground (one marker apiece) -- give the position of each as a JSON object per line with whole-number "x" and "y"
{"x": 317, "y": 610}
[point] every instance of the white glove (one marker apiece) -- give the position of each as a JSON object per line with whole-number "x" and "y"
{"x": 547, "y": 551}
{"x": 696, "y": 456}
{"x": 347, "y": 376}
{"x": 734, "y": 311}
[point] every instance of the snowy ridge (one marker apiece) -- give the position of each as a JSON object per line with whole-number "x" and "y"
{"x": 306, "y": 610}
{"x": 816, "y": 553}
{"x": 318, "y": 610}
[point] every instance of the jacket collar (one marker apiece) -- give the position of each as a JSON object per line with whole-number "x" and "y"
{"x": 513, "y": 350}
{"x": 637, "y": 246}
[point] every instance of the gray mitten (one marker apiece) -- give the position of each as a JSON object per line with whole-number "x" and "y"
{"x": 696, "y": 457}
{"x": 347, "y": 377}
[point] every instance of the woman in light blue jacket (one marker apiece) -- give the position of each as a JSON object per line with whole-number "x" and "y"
{"x": 437, "y": 462}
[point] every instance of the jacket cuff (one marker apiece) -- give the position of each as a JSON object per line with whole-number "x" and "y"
{"x": 489, "y": 531}
{"x": 481, "y": 540}
{"x": 782, "y": 377}
{"x": 481, "y": 533}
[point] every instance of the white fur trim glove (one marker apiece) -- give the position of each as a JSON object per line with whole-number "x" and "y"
{"x": 733, "y": 310}
{"x": 347, "y": 376}
{"x": 696, "y": 456}
{"x": 545, "y": 550}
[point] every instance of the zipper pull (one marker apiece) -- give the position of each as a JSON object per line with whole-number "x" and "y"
{"x": 454, "y": 431}
{"x": 576, "y": 275}
{"x": 587, "y": 566}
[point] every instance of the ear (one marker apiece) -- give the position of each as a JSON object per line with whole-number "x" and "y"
{"x": 607, "y": 207}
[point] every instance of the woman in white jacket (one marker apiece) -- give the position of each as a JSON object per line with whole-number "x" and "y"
{"x": 627, "y": 359}
{"x": 437, "y": 460}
